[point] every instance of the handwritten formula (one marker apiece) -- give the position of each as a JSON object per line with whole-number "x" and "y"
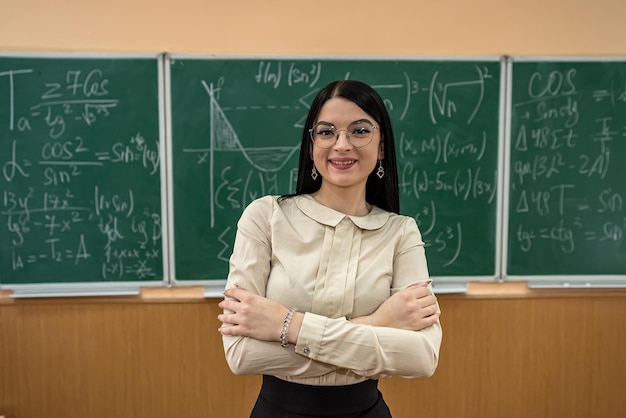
{"x": 80, "y": 171}
{"x": 567, "y": 189}
{"x": 248, "y": 118}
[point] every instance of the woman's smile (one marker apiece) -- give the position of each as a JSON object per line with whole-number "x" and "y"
{"x": 342, "y": 163}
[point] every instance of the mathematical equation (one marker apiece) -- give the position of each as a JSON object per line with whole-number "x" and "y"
{"x": 447, "y": 150}
{"x": 80, "y": 192}
{"x": 564, "y": 169}
{"x": 445, "y": 99}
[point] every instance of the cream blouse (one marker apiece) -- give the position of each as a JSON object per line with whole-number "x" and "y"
{"x": 332, "y": 267}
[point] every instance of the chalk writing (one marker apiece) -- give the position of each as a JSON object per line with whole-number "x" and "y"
{"x": 566, "y": 204}
{"x": 80, "y": 186}
{"x": 253, "y": 114}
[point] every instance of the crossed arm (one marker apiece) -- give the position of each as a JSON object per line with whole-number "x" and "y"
{"x": 249, "y": 315}
{"x": 401, "y": 336}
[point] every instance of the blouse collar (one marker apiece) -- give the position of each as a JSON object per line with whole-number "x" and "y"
{"x": 327, "y": 216}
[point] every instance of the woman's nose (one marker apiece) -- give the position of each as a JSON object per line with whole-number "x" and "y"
{"x": 345, "y": 142}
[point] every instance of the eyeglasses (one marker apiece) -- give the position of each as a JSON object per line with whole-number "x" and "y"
{"x": 359, "y": 133}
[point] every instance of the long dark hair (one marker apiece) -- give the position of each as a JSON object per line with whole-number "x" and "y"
{"x": 379, "y": 192}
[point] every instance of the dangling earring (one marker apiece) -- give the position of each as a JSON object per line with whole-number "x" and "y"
{"x": 381, "y": 171}
{"x": 314, "y": 174}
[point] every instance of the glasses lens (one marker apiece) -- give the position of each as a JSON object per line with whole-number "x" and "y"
{"x": 323, "y": 135}
{"x": 359, "y": 134}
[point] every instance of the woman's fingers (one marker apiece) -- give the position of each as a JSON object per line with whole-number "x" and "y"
{"x": 428, "y": 300}
{"x": 236, "y": 293}
{"x": 229, "y": 306}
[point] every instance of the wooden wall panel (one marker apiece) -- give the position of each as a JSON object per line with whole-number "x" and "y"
{"x": 523, "y": 357}
{"x": 82, "y": 359}
{"x": 539, "y": 356}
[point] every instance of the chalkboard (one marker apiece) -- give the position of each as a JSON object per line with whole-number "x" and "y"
{"x": 566, "y": 178}
{"x": 80, "y": 154}
{"x": 224, "y": 114}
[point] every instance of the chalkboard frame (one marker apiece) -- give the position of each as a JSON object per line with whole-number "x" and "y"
{"x": 112, "y": 288}
{"x": 444, "y": 284}
{"x": 546, "y": 281}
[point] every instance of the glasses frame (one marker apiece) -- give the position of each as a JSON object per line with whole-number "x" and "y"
{"x": 337, "y": 133}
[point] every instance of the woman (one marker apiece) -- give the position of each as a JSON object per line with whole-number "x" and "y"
{"x": 328, "y": 288}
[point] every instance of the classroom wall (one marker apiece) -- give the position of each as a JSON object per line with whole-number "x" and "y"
{"x": 539, "y": 354}
{"x": 355, "y": 27}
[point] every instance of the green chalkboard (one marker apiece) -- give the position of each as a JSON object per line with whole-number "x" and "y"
{"x": 224, "y": 114}
{"x": 567, "y": 181}
{"x": 80, "y": 186}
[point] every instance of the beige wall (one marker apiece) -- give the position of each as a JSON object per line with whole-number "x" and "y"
{"x": 354, "y": 27}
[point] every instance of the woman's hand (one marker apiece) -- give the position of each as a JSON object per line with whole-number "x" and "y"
{"x": 413, "y": 308}
{"x": 250, "y": 315}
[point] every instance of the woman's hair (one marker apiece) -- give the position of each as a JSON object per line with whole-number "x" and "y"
{"x": 379, "y": 192}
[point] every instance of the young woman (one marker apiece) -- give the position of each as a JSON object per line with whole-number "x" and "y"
{"x": 328, "y": 288}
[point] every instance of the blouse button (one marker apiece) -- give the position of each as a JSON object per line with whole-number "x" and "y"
{"x": 306, "y": 350}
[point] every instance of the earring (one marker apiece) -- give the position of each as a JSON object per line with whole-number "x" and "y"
{"x": 314, "y": 174}
{"x": 381, "y": 171}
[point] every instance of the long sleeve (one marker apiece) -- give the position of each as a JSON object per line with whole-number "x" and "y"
{"x": 369, "y": 351}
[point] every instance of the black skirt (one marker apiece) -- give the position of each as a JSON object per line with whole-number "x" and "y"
{"x": 282, "y": 399}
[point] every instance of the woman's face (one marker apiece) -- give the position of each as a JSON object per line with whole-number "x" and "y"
{"x": 343, "y": 164}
